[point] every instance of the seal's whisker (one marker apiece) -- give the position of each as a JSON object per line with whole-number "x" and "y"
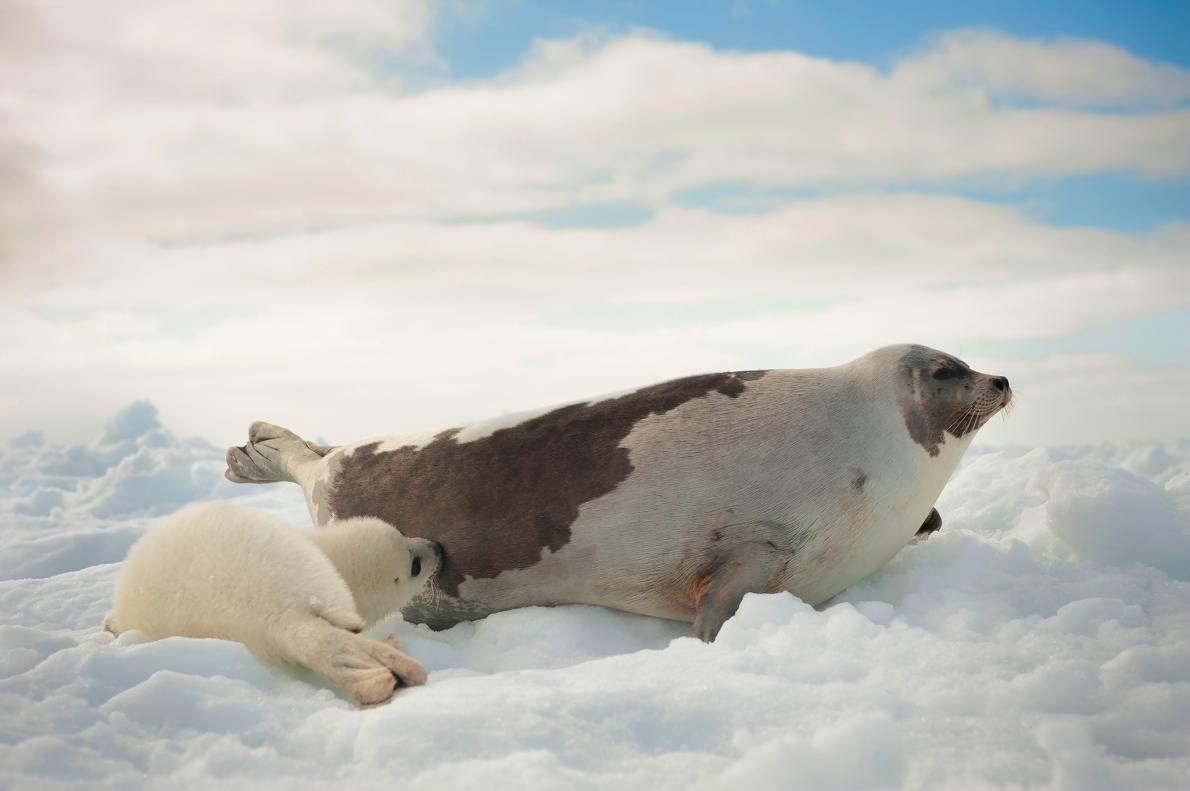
{"x": 957, "y": 416}
{"x": 965, "y": 425}
{"x": 965, "y": 419}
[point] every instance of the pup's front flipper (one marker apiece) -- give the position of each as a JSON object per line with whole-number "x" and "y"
{"x": 749, "y": 568}
{"x": 373, "y": 671}
{"x": 369, "y": 669}
{"x": 337, "y": 616}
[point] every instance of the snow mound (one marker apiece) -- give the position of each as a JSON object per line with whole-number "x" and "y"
{"x": 1079, "y": 509}
{"x": 1041, "y": 639}
{"x": 1112, "y": 516}
{"x": 133, "y": 468}
{"x": 46, "y": 556}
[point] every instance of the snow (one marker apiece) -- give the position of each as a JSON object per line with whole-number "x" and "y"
{"x": 1040, "y": 640}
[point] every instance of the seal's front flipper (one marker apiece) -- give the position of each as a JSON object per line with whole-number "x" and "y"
{"x": 749, "y": 568}
{"x": 272, "y": 454}
{"x": 932, "y": 524}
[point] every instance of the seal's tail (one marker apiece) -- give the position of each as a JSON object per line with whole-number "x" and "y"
{"x": 272, "y": 454}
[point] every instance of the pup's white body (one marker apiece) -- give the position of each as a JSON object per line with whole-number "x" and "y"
{"x": 289, "y": 595}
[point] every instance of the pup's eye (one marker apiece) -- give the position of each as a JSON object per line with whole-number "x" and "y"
{"x": 397, "y": 580}
{"x": 945, "y": 373}
{"x": 416, "y": 568}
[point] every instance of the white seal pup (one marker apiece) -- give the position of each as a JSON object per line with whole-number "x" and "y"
{"x": 673, "y": 500}
{"x": 289, "y": 594}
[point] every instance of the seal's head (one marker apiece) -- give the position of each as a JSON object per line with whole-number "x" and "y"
{"x": 941, "y": 395}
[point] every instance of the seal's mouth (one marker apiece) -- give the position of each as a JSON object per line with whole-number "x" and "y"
{"x": 1001, "y": 384}
{"x": 971, "y": 417}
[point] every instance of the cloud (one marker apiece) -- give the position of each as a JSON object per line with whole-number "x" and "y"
{"x": 108, "y": 111}
{"x": 303, "y": 119}
{"x": 1081, "y": 398}
{"x": 408, "y": 324}
{"x": 229, "y": 53}
{"x": 287, "y": 230}
{"x": 1065, "y": 71}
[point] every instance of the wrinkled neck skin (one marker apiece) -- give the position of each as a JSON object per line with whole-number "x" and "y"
{"x": 368, "y": 554}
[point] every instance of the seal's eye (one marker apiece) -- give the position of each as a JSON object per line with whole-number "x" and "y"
{"x": 945, "y": 373}
{"x": 416, "y": 568}
{"x": 397, "y": 580}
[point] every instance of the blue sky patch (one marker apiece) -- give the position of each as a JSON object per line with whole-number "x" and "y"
{"x": 482, "y": 42}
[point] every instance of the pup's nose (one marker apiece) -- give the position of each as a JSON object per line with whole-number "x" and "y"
{"x": 1001, "y": 382}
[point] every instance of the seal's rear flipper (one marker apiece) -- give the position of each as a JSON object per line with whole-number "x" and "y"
{"x": 272, "y": 454}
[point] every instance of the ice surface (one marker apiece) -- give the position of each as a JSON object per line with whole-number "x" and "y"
{"x": 1040, "y": 640}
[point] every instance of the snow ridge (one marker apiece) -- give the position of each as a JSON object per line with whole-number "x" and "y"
{"x": 1041, "y": 639}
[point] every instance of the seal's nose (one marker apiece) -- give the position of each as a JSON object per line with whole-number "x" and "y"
{"x": 1001, "y": 382}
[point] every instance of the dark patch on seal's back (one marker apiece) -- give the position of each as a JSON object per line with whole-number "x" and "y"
{"x": 496, "y": 502}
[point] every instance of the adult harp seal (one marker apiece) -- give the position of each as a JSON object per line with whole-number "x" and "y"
{"x": 673, "y": 500}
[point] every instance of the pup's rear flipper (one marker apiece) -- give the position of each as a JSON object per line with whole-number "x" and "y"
{"x": 272, "y": 454}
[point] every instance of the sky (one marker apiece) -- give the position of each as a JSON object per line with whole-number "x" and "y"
{"x": 372, "y": 217}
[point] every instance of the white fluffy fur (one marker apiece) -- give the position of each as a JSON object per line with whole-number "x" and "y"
{"x": 289, "y": 595}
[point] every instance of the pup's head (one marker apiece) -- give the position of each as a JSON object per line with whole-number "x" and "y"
{"x": 383, "y": 568}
